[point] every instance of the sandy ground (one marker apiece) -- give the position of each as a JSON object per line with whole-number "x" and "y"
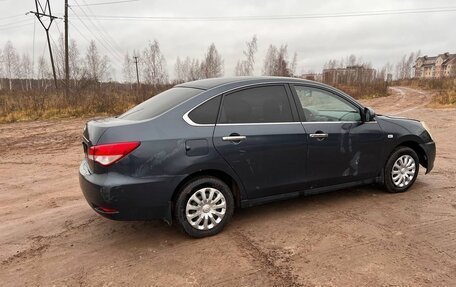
{"x": 354, "y": 237}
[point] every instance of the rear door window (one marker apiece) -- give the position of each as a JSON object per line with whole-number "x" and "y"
{"x": 268, "y": 104}
{"x": 160, "y": 103}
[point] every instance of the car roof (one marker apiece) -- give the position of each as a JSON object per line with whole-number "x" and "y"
{"x": 208, "y": 84}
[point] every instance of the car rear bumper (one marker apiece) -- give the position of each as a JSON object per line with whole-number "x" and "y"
{"x": 430, "y": 151}
{"x": 120, "y": 197}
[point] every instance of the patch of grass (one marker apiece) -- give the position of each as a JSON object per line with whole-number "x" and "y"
{"x": 365, "y": 90}
{"x": 445, "y": 99}
{"x": 444, "y": 90}
{"x": 103, "y": 101}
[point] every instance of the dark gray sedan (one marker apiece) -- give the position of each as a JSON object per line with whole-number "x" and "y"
{"x": 199, "y": 150}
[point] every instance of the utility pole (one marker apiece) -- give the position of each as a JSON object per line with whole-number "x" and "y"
{"x": 137, "y": 73}
{"x": 67, "y": 65}
{"x": 40, "y": 13}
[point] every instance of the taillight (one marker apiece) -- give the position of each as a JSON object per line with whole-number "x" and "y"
{"x": 107, "y": 154}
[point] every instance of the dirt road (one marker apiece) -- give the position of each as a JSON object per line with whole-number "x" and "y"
{"x": 354, "y": 237}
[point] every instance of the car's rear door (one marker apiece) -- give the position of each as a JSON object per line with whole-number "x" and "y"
{"x": 341, "y": 147}
{"x": 259, "y": 134}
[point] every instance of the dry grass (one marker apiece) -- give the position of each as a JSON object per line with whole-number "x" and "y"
{"x": 445, "y": 98}
{"x": 102, "y": 101}
{"x": 365, "y": 90}
{"x": 107, "y": 100}
{"x": 444, "y": 90}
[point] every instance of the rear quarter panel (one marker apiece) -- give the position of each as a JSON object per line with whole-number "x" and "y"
{"x": 164, "y": 149}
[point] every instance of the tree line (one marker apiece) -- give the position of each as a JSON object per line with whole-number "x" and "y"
{"x": 402, "y": 70}
{"x": 89, "y": 66}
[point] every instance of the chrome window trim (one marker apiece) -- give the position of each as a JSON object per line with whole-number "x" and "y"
{"x": 341, "y": 122}
{"x": 187, "y": 119}
{"x": 258, "y": 124}
{"x": 192, "y": 123}
{"x": 332, "y": 122}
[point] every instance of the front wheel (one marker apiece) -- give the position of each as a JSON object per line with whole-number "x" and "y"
{"x": 401, "y": 170}
{"x": 204, "y": 206}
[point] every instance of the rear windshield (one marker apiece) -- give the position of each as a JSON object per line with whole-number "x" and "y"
{"x": 159, "y": 104}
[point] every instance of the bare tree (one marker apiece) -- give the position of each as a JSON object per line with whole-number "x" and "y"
{"x": 2, "y": 75}
{"x": 409, "y": 65}
{"x": 76, "y": 71}
{"x": 154, "y": 65}
{"x": 178, "y": 70}
{"x": 27, "y": 71}
{"x": 294, "y": 64}
{"x": 239, "y": 68}
{"x": 195, "y": 72}
{"x": 128, "y": 70}
{"x": 43, "y": 72}
{"x": 404, "y": 68}
{"x": 212, "y": 66}
{"x": 181, "y": 70}
{"x": 331, "y": 64}
{"x": 269, "y": 66}
{"x": 11, "y": 61}
{"x": 283, "y": 68}
{"x": 351, "y": 60}
{"x": 276, "y": 62}
{"x": 341, "y": 63}
{"x": 96, "y": 66}
{"x": 246, "y": 67}
{"x": 74, "y": 59}
{"x": 59, "y": 57}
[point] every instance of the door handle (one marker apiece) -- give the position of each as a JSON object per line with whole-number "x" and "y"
{"x": 234, "y": 138}
{"x": 319, "y": 136}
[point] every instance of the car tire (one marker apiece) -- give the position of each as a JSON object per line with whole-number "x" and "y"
{"x": 204, "y": 206}
{"x": 401, "y": 170}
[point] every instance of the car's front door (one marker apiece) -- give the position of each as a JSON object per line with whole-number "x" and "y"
{"x": 259, "y": 134}
{"x": 341, "y": 147}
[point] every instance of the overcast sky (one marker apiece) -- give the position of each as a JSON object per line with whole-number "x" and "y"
{"x": 377, "y": 39}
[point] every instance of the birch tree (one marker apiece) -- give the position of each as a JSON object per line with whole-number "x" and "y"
{"x": 128, "y": 69}
{"x": 246, "y": 67}
{"x": 154, "y": 65}
{"x": 96, "y": 66}
{"x": 11, "y": 61}
{"x": 212, "y": 66}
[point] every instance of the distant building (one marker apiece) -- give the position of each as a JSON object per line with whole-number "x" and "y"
{"x": 443, "y": 65}
{"x": 312, "y": 76}
{"x": 349, "y": 75}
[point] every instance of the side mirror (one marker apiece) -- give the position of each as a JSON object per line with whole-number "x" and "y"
{"x": 369, "y": 114}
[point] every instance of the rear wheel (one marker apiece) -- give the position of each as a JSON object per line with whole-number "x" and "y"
{"x": 401, "y": 170}
{"x": 204, "y": 206}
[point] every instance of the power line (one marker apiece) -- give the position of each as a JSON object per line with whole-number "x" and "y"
{"x": 15, "y": 22}
{"x": 97, "y": 38}
{"x": 277, "y": 17}
{"x": 80, "y": 33}
{"x": 112, "y": 43}
{"x": 12, "y": 16}
{"x": 14, "y": 26}
{"x": 105, "y": 3}
{"x": 58, "y": 29}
